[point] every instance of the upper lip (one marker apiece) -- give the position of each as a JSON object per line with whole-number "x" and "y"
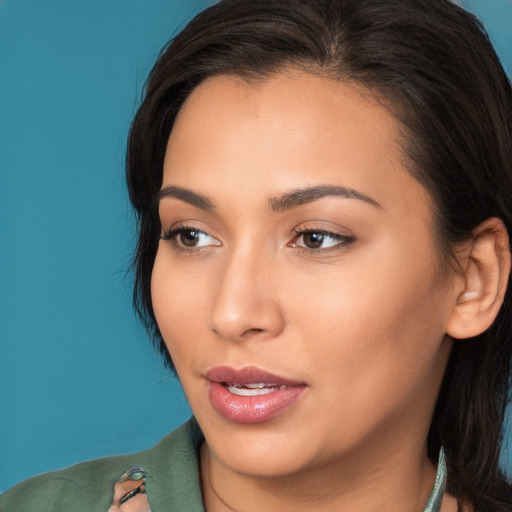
{"x": 247, "y": 375}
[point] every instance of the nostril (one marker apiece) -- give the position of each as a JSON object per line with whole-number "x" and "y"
{"x": 249, "y": 332}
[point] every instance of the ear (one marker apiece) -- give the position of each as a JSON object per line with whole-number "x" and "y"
{"x": 485, "y": 267}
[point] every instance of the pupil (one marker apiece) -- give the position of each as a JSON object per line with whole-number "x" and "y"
{"x": 313, "y": 240}
{"x": 189, "y": 238}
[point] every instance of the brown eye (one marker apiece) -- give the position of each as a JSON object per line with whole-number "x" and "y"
{"x": 320, "y": 241}
{"x": 313, "y": 240}
{"x": 189, "y": 237}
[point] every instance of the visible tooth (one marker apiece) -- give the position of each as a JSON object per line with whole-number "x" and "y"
{"x": 246, "y": 391}
{"x": 258, "y": 385}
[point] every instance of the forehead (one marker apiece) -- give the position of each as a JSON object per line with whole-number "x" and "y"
{"x": 295, "y": 102}
{"x": 291, "y": 129}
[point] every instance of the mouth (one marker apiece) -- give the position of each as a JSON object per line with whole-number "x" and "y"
{"x": 251, "y": 395}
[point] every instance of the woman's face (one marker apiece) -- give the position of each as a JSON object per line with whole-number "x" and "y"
{"x": 296, "y": 284}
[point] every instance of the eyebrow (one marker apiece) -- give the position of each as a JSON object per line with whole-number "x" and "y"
{"x": 186, "y": 195}
{"x": 281, "y": 203}
{"x": 300, "y": 197}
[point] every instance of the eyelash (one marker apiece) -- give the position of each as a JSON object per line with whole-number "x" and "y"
{"x": 343, "y": 240}
{"x": 172, "y": 235}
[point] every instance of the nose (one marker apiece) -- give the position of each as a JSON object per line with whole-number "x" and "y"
{"x": 245, "y": 304}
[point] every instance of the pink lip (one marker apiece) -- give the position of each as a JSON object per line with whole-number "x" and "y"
{"x": 251, "y": 409}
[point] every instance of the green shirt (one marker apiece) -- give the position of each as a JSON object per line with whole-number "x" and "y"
{"x": 171, "y": 479}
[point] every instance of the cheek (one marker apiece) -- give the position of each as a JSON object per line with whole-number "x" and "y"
{"x": 382, "y": 325}
{"x": 177, "y": 305}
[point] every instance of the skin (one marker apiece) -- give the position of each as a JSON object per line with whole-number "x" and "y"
{"x": 361, "y": 319}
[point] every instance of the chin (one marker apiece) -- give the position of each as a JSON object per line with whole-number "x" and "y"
{"x": 263, "y": 464}
{"x": 260, "y": 451}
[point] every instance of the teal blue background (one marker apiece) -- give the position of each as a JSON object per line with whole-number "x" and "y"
{"x": 77, "y": 377}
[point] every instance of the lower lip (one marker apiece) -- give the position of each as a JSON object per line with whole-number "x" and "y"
{"x": 252, "y": 409}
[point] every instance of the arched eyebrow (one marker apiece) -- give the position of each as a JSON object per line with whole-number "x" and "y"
{"x": 186, "y": 195}
{"x": 299, "y": 197}
{"x": 287, "y": 201}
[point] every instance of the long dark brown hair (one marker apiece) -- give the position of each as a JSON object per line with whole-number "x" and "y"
{"x": 431, "y": 63}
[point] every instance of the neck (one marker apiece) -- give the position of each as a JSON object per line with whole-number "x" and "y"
{"x": 395, "y": 483}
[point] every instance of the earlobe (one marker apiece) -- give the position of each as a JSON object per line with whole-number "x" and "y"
{"x": 486, "y": 268}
